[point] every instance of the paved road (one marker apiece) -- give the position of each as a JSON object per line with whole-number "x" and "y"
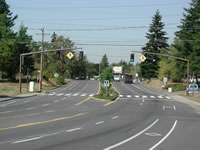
{"x": 69, "y": 118}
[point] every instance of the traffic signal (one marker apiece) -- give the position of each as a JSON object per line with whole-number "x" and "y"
{"x": 132, "y": 58}
{"x": 81, "y": 55}
{"x": 58, "y": 55}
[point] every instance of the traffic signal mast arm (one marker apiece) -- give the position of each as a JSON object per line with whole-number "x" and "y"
{"x": 174, "y": 57}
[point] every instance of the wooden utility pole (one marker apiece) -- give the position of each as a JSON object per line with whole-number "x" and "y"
{"x": 174, "y": 57}
{"x": 41, "y": 60}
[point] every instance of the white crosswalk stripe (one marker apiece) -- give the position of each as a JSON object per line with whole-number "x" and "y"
{"x": 121, "y": 95}
{"x": 168, "y": 97}
{"x": 83, "y": 94}
{"x": 152, "y": 96}
{"x": 60, "y": 94}
{"x": 76, "y": 94}
{"x": 129, "y": 96}
{"x": 91, "y": 95}
{"x": 137, "y": 96}
{"x": 144, "y": 96}
{"x": 69, "y": 94}
{"x": 160, "y": 96}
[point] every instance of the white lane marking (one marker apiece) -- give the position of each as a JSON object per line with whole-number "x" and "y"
{"x": 5, "y": 112}
{"x": 91, "y": 95}
{"x": 168, "y": 97}
{"x": 60, "y": 94}
{"x": 174, "y": 108}
{"x": 165, "y": 137}
{"x": 152, "y": 96}
{"x": 4, "y": 105}
{"x": 69, "y": 94}
{"x": 163, "y": 107}
{"x": 131, "y": 138}
{"x": 141, "y": 104}
{"x": 63, "y": 98}
{"x": 71, "y": 130}
{"x": 144, "y": 96}
{"x": 160, "y": 96}
{"x": 115, "y": 117}
{"x": 30, "y": 108}
{"x": 128, "y": 96}
{"x": 121, "y": 95}
{"x": 100, "y": 122}
{"x": 26, "y": 140}
{"x": 56, "y": 101}
{"x": 153, "y": 134}
{"x": 76, "y": 94}
{"x": 45, "y": 105}
{"x": 137, "y": 96}
{"x": 83, "y": 94}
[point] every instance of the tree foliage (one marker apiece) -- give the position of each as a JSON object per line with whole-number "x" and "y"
{"x": 156, "y": 41}
{"x": 187, "y": 39}
{"x": 104, "y": 63}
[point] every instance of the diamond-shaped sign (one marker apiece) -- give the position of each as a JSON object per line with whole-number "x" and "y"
{"x": 143, "y": 58}
{"x": 70, "y": 55}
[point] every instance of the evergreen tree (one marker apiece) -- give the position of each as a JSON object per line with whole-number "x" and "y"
{"x": 23, "y": 45}
{"x": 156, "y": 42}
{"x": 187, "y": 39}
{"x": 7, "y": 53}
{"x": 104, "y": 63}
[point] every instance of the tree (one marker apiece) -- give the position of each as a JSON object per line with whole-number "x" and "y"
{"x": 23, "y": 45}
{"x": 187, "y": 39}
{"x": 6, "y": 34}
{"x": 104, "y": 63}
{"x": 156, "y": 42}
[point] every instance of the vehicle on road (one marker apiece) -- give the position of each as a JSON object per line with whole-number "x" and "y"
{"x": 128, "y": 78}
{"x": 117, "y": 78}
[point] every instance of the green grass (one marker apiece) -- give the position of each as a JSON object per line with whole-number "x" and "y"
{"x": 176, "y": 87}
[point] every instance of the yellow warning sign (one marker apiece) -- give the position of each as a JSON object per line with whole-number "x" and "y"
{"x": 143, "y": 58}
{"x": 70, "y": 55}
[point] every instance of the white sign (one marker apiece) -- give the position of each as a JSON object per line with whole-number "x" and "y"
{"x": 31, "y": 86}
{"x": 106, "y": 83}
{"x": 56, "y": 75}
{"x": 136, "y": 75}
{"x": 165, "y": 79}
{"x": 117, "y": 69}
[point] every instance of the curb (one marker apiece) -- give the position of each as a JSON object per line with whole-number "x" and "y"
{"x": 16, "y": 97}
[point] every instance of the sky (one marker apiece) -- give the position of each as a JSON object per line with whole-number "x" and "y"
{"x": 111, "y": 27}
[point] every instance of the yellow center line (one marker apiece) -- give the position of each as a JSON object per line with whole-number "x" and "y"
{"x": 87, "y": 99}
{"x": 50, "y": 111}
{"x": 114, "y": 100}
{"x": 43, "y": 122}
{"x": 83, "y": 101}
{"x": 27, "y": 115}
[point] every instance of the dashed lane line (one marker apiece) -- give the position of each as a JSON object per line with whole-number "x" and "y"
{"x": 115, "y": 117}
{"x": 5, "y": 112}
{"x": 27, "y": 115}
{"x": 100, "y": 122}
{"x": 26, "y": 140}
{"x": 71, "y": 130}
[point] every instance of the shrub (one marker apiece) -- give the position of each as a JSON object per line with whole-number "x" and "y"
{"x": 176, "y": 87}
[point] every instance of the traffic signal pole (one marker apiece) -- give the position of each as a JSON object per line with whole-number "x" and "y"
{"x": 174, "y": 57}
{"x": 38, "y": 52}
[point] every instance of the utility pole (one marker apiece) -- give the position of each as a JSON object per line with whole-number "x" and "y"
{"x": 41, "y": 60}
{"x": 62, "y": 47}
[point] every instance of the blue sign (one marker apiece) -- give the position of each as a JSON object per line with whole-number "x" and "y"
{"x": 193, "y": 88}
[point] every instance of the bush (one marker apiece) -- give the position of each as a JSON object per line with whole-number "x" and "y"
{"x": 59, "y": 80}
{"x": 176, "y": 87}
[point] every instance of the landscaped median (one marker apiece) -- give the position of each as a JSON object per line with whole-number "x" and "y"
{"x": 107, "y": 93}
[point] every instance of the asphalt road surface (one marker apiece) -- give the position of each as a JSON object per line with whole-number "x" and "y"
{"x": 68, "y": 118}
